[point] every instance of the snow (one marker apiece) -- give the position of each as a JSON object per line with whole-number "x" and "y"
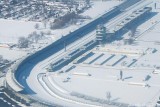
{"x": 11, "y": 30}
{"x": 105, "y": 78}
{"x": 11, "y": 54}
{"x": 99, "y": 7}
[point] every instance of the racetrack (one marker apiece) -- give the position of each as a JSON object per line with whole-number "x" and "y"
{"x": 27, "y": 72}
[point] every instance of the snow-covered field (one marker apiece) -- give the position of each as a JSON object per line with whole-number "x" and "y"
{"x": 99, "y": 7}
{"x": 105, "y": 80}
{"x": 11, "y": 54}
{"x": 11, "y": 30}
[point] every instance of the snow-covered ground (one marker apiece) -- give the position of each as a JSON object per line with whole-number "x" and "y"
{"x": 104, "y": 77}
{"x": 99, "y": 7}
{"x": 105, "y": 80}
{"x": 142, "y": 59}
{"x": 136, "y": 61}
{"x": 11, "y": 30}
{"x": 11, "y": 54}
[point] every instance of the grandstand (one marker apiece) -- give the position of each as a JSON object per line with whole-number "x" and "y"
{"x": 9, "y": 99}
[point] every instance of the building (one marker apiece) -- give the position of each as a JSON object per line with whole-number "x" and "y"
{"x": 100, "y": 34}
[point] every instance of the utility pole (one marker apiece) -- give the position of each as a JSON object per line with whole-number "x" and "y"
{"x": 64, "y": 43}
{"x": 64, "y": 46}
{"x": 108, "y": 95}
{"x": 155, "y": 4}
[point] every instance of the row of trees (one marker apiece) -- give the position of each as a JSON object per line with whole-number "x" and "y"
{"x": 24, "y": 42}
{"x": 59, "y": 23}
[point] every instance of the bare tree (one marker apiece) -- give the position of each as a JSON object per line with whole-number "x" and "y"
{"x": 41, "y": 34}
{"x": 34, "y": 37}
{"x": 30, "y": 37}
{"x": 45, "y": 24}
{"x": 23, "y": 42}
{"x": 36, "y": 26}
{"x": 37, "y": 37}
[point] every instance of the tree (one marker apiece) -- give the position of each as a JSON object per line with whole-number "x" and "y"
{"x": 48, "y": 32}
{"x": 5, "y": 61}
{"x": 41, "y": 34}
{"x": 108, "y": 95}
{"x": 45, "y": 24}
{"x": 36, "y": 26}
{"x": 63, "y": 20}
{"x": 37, "y": 37}
{"x": 23, "y": 42}
{"x": 147, "y": 77}
{"x": 88, "y": 2}
{"x": 58, "y": 24}
{"x": 1, "y": 58}
{"x": 133, "y": 31}
{"x": 130, "y": 40}
{"x": 34, "y": 37}
{"x": 31, "y": 37}
{"x": 125, "y": 41}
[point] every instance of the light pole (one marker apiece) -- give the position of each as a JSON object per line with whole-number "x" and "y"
{"x": 121, "y": 74}
{"x": 64, "y": 44}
